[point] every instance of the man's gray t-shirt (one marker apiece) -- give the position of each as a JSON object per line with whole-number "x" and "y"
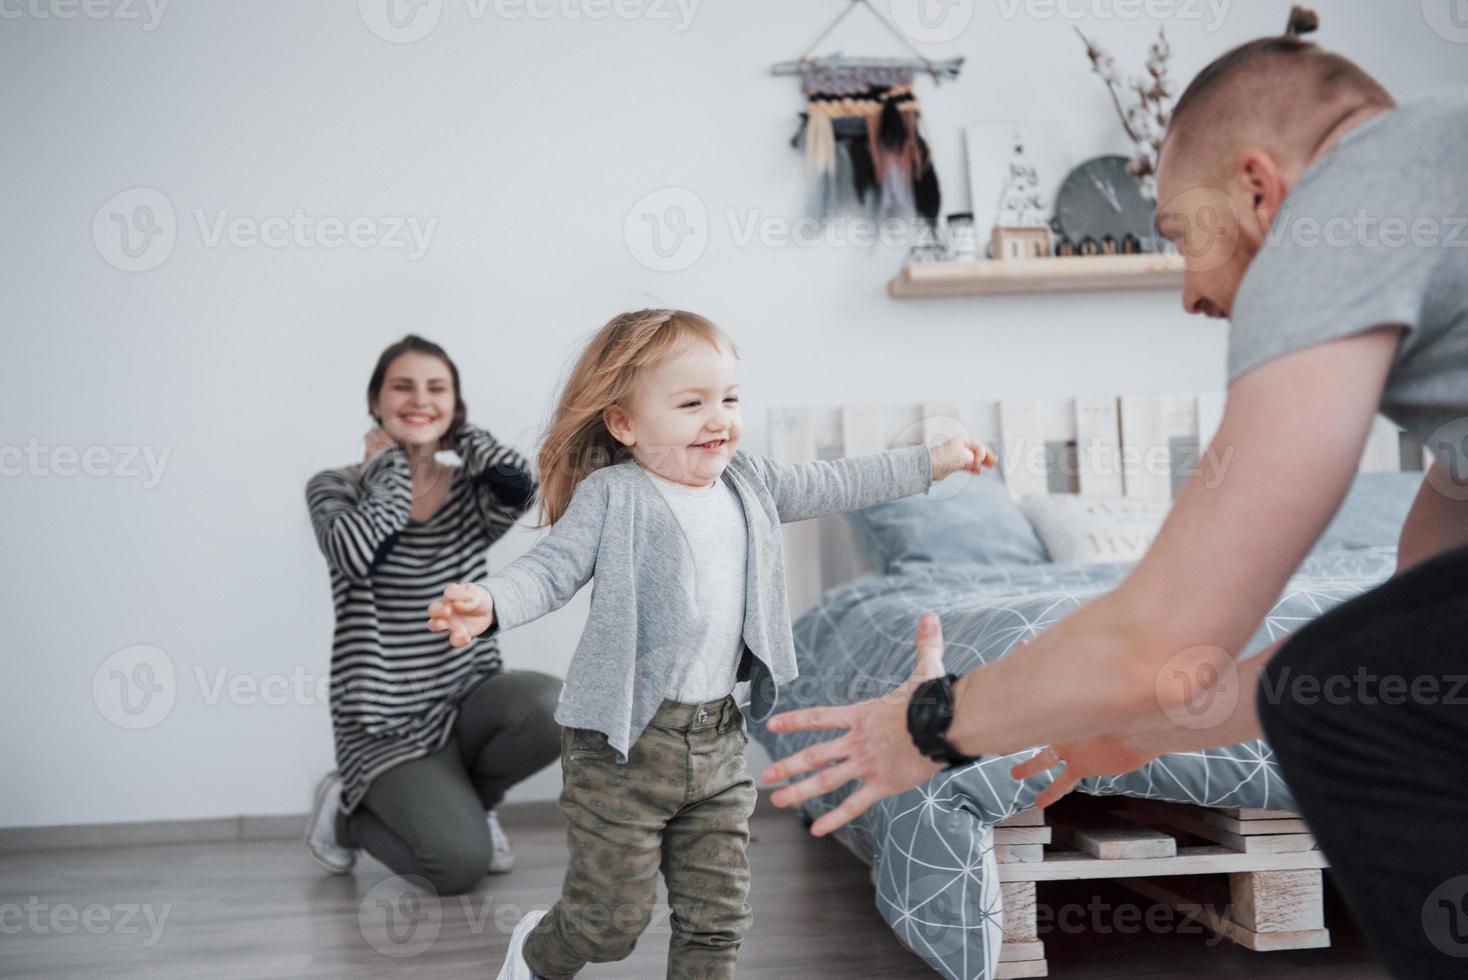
{"x": 1374, "y": 234}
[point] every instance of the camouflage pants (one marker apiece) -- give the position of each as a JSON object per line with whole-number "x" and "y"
{"x": 680, "y": 805}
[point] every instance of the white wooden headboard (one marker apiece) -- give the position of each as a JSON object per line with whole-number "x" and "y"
{"x": 1133, "y": 446}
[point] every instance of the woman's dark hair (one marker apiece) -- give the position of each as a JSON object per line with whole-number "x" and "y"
{"x": 414, "y": 344}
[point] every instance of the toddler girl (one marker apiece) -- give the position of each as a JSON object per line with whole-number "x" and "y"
{"x": 645, "y": 490}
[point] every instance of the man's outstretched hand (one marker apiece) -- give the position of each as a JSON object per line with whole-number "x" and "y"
{"x": 1105, "y": 755}
{"x": 876, "y": 749}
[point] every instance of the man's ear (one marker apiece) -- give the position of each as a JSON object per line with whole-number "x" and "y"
{"x": 1263, "y": 186}
{"x": 619, "y": 424}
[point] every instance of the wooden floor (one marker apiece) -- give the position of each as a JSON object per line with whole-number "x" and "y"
{"x": 263, "y": 910}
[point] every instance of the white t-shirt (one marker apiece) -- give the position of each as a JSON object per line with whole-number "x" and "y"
{"x": 713, "y": 525}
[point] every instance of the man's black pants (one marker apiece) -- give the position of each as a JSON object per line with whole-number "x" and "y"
{"x": 1367, "y": 711}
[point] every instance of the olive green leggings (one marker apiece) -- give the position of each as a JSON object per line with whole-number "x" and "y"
{"x": 680, "y": 805}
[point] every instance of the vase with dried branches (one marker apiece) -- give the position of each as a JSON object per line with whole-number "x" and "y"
{"x": 1147, "y": 118}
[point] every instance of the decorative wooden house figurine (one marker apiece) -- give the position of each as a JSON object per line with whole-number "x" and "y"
{"x": 1021, "y": 231}
{"x": 1021, "y": 243}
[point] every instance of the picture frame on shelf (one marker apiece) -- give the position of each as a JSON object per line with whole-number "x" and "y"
{"x": 989, "y": 148}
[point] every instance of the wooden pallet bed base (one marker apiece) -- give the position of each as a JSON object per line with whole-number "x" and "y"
{"x": 1256, "y": 880}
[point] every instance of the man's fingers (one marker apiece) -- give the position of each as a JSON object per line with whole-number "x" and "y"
{"x": 811, "y": 719}
{"x": 437, "y": 624}
{"x": 806, "y": 760}
{"x": 437, "y": 608}
{"x": 1041, "y": 761}
{"x": 929, "y": 648}
{"x": 1063, "y": 784}
{"x": 822, "y": 782}
{"x": 854, "y": 806}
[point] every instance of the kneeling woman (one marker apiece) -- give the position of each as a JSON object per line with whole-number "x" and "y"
{"x": 428, "y": 737}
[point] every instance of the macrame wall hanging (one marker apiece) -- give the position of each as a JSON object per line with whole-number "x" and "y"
{"x": 860, "y": 133}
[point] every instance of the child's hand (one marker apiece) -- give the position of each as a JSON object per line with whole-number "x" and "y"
{"x": 961, "y": 454}
{"x": 465, "y": 611}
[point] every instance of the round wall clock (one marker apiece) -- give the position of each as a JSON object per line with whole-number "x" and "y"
{"x": 1101, "y": 198}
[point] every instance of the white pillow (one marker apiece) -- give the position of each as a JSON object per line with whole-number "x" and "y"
{"x": 1075, "y": 528}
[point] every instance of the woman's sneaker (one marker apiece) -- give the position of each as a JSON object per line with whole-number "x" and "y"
{"x": 321, "y": 835}
{"x": 515, "y": 967}
{"x": 502, "y": 858}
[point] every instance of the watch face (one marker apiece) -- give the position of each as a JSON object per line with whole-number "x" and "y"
{"x": 1101, "y": 198}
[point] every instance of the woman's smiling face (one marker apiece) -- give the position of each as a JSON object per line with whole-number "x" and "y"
{"x": 683, "y": 421}
{"x": 417, "y": 400}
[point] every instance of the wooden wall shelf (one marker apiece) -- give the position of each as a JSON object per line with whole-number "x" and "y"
{"x": 1097, "y": 273}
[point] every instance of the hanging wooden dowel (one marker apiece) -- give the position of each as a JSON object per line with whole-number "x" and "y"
{"x": 949, "y": 68}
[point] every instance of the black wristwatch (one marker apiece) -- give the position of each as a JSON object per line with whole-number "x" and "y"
{"x": 929, "y": 714}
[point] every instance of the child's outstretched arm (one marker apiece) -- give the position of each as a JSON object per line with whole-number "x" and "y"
{"x": 814, "y": 489}
{"x": 540, "y": 581}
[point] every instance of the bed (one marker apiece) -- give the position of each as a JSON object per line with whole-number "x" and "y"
{"x": 970, "y": 550}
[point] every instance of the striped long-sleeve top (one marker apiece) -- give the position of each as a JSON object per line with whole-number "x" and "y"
{"x": 396, "y": 686}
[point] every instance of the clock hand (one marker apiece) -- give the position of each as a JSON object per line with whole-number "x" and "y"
{"x": 1108, "y": 192}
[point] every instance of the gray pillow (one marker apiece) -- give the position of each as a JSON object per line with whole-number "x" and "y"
{"x": 974, "y": 523}
{"x": 1372, "y": 514}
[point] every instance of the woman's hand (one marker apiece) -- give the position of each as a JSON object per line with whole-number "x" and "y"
{"x": 1106, "y": 755}
{"x": 465, "y": 611}
{"x": 876, "y": 749}
{"x": 961, "y": 454}
{"x": 375, "y": 442}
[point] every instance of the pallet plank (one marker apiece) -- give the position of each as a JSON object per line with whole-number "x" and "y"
{"x": 1021, "y": 915}
{"x": 1022, "y": 951}
{"x": 1115, "y": 840}
{"x": 1098, "y": 447}
{"x": 1075, "y": 865}
{"x": 1229, "y": 929}
{"x": 1179, "y": 819}
{"x": 1023, "y": 835}
{"x": 1248, "y": 813}
{"x": 1247, "y": 827}
{"x": 1019, "y": 853}
{"x": 1144, "y": 435}
{"x": 1021, "y": 449}
{"x": 1149, "y": 809}
{"x": 1278, "y": 901}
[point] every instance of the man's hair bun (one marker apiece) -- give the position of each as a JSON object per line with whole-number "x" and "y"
{"x": 1303, "y": 21}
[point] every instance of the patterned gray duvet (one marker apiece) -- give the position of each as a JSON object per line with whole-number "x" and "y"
{"x": 932, "y": 848}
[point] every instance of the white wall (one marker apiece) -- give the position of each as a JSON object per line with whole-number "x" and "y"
{"x": 528, "y": 140}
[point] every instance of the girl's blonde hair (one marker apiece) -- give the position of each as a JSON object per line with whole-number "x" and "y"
{"x": 577, "y": 442}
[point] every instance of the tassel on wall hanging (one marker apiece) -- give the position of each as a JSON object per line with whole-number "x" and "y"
{"x": 860, "y": 133}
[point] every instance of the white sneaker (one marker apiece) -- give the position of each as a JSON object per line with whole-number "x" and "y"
{"x": 321, "y": 830}
{"x": 515, "y": 967}
{"x": 503, "y": 858}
